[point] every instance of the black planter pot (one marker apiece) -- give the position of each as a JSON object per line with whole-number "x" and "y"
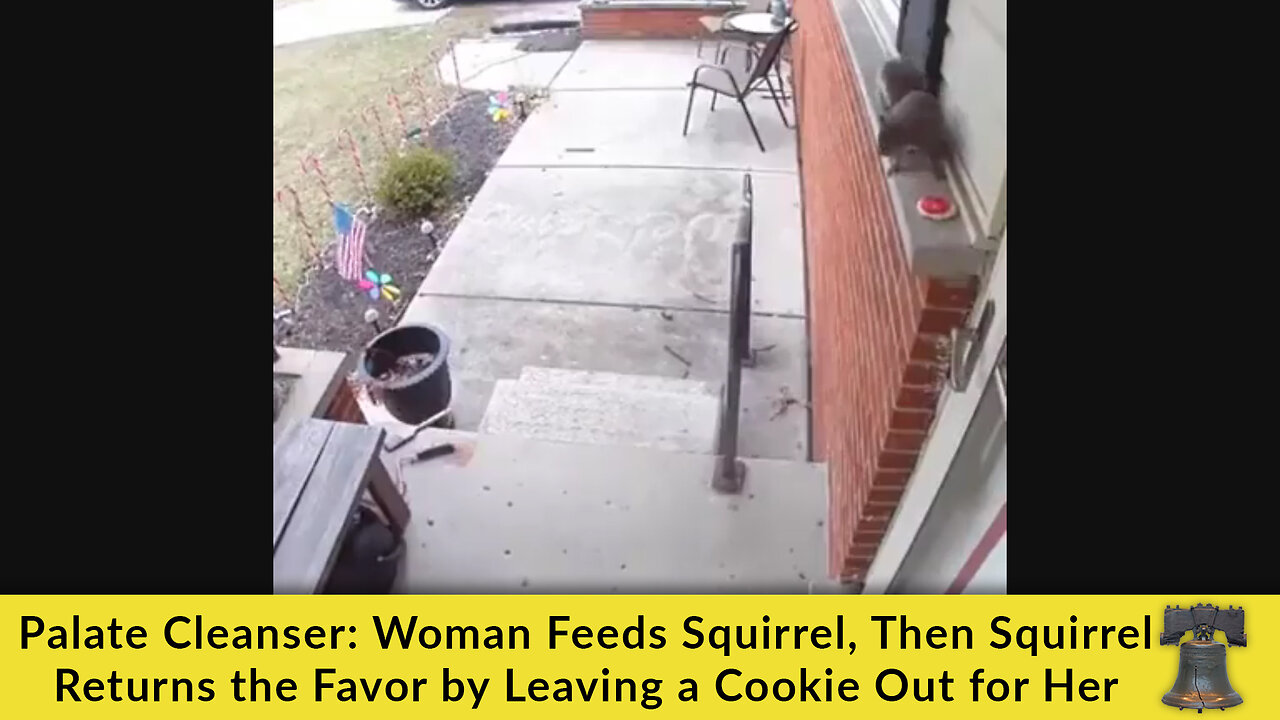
{"x": 414, "y": 399}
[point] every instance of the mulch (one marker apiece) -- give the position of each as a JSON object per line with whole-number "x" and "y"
{"x": 330, "y": 312}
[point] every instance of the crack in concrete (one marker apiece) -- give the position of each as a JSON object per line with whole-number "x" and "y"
{"x": 696, "y": 168}
{"x": 597, "y": 303}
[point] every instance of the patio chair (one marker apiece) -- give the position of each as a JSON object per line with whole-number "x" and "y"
{"x": 731, "y": 79}
{"x": 717, "y": 29}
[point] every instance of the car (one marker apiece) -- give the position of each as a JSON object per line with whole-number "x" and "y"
{"x": 429, "y": 4}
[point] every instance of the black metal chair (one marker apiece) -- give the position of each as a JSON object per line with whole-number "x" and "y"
{"x": 734, "y": 80}
{"x": 716, "y": 29}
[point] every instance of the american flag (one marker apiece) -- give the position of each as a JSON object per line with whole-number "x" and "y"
{"x": 350, "y": 243}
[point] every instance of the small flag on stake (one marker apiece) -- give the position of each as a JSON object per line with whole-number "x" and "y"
{"x": 350, "y": 243}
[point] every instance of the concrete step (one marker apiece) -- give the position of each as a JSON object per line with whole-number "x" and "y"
{"x": 509, "y": 514}
{"x": 676, "y": 422}
{"x": 643, "y": 383}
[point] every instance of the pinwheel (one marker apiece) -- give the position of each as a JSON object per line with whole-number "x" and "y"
{"x": 500, "y": 107}
{"x": 379, "y": 285}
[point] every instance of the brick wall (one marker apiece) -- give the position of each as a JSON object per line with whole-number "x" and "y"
{"x": 878, "y": 332}
{"x": 606, "y": 23}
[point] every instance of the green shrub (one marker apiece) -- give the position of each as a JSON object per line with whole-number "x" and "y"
{"x": 415, "y": 183}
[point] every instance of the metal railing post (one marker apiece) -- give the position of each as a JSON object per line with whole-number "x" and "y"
{"x": 730, "y": 471}
{"x": 744, "y": 312}
{"x": 457, "y": 71}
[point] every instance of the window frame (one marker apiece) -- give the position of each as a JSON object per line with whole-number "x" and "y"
{"x": 990, "y": 209}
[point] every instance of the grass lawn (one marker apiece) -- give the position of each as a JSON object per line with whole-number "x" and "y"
{"x": 322, "y": 87}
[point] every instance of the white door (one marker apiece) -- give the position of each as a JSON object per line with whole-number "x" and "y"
{"x": 947, "y": 534}
{"x": 974, "y": 93}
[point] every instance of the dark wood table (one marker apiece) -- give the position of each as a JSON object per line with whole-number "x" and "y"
{"x": 319, "y": 389}
{"x": 321, "y": 470}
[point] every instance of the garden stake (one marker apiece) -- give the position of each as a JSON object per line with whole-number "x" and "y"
{"x": 314, "y": 163}
{"x": 394, "y": 101}
{"x": 421, "y": 88}
{"x": 377, "y": 122}
{"x": 355, "y": 158}
{"x": 313, "y": 246}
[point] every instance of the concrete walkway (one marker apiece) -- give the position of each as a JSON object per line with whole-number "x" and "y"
{"x": 497, "y": 63}
{"x": 510, "y": 515}
{"x": 601, "y": 242}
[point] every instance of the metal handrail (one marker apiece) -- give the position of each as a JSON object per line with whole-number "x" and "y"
{"x": 743, "y": 311}
{"x": 730, "y": 472}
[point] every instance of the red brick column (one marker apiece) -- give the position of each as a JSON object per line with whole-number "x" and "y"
{"x": 878, "y": 332}
{"x": 614, "y": 22}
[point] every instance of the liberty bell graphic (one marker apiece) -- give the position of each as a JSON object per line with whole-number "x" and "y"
{"x": 1202, "y": 663}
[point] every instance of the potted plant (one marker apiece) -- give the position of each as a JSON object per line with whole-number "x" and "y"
{"x": 406, "y": 369}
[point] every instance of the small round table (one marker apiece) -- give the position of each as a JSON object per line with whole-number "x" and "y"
{"x": 760, "y": 24}
{"x": 754, "y": 23}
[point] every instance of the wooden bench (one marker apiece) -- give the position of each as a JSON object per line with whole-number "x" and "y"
{"x": 321, "y": 470}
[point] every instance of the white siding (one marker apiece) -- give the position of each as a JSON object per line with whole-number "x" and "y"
{"x": 974, "y": 92}
{"x": 970, "y": 498}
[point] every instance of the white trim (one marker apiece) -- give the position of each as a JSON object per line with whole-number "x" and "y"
{"x": 884, "y": 15}
{"x": 955, "y": 412}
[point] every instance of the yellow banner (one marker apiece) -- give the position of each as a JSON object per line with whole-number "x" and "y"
{"x": 620, "y": 656}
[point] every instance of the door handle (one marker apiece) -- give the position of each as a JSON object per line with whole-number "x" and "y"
{"x": 1002, "y": 380}
{"x": 966, "y": 347}
{"x": 961, "y": 342}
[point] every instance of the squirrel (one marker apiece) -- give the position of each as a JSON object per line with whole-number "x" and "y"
{"x": 898, "y": 77}
{"x": 915, "y": 121}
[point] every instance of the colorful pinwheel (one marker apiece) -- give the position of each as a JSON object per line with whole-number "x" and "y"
{"x": 379, "y": 285}
{"x": 500, "y": 107}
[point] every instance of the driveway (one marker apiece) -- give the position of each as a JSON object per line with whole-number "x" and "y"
{"x": 313, "y": 19}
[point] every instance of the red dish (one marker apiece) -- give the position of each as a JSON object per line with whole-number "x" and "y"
{"x": 936, "y": 208}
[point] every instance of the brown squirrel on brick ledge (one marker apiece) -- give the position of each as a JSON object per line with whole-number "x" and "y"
{"x": 913, "y": 117}
{"x": 916, "y": 121}
{"x": 898, "y": 76}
